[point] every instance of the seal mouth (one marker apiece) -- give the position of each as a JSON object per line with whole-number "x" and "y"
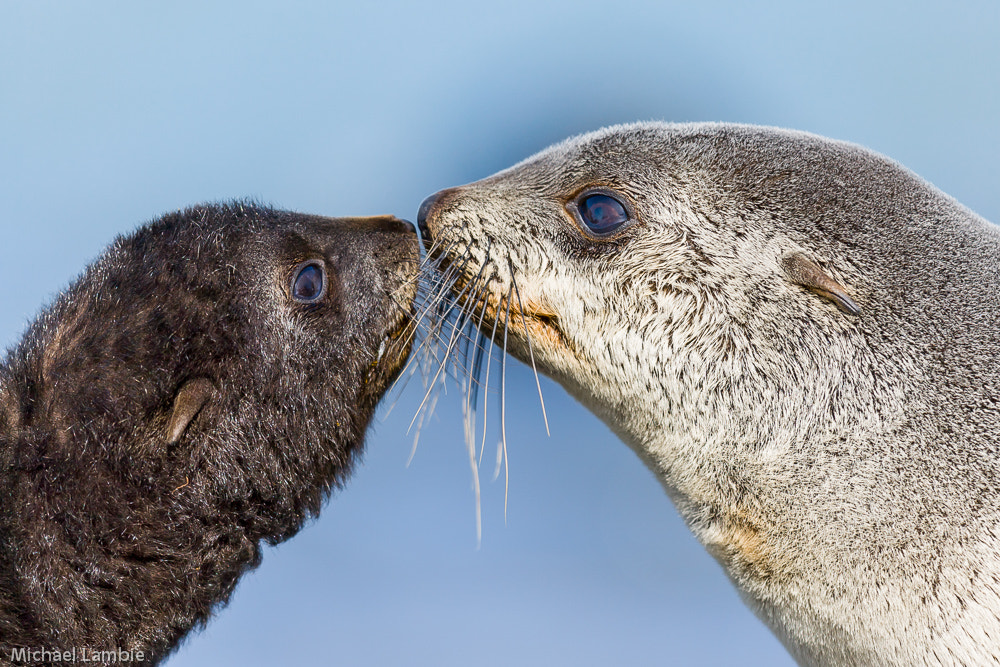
{"x": 533, "y": 322}
{"x": 390, "y": 358}
{"x": 397, "y": 330}
{"x": 395, "y": 346}
{"x": 542, "y": 325}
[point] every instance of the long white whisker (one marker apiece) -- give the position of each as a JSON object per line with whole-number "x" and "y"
{"x": 470, "y": 446}
{"x": 531, "y": 352}
{"x": 434, "y": 303}
{"x": 420, "y": 425}
{"x": 451, "y": 341}
{"x": 503, "y": 407}
{"x": 441, "y": 367}
{"x": 486, "y": 387}
{"x": 442, "y": 285}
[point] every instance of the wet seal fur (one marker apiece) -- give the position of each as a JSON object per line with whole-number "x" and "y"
{"x": 175, "y": 407}
{"x": 799, "y": 337}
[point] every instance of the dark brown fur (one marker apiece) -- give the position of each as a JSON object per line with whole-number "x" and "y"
{"x": 111, "y": 538}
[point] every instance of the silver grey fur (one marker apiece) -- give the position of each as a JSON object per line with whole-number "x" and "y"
{"x": 842, "y": 469}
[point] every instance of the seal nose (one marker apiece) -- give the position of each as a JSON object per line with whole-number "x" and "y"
{"x": 425, "y": 207}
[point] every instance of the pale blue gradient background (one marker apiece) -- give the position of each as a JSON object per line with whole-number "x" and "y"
{"x": 114, "y": 113}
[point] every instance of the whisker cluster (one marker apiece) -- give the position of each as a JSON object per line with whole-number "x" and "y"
{"x": 456, "y": 295}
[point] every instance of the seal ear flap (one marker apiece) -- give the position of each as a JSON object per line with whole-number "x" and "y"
{"x": 803, "y": 271}
{"x": 190, "y": 399}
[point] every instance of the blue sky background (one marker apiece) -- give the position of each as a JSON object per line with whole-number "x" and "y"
{"x": 112, "y": 113}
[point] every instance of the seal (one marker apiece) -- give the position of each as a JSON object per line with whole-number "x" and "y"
{"x": 199, "y": 390}
{"x": 797, "y": 335}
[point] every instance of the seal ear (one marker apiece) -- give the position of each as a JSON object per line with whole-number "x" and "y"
{"x": 190, "y": 399}
{"x": 803, "y": 271}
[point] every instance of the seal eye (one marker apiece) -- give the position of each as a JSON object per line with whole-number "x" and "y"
{"x": 601, "y": 213}
{"x": 309, "y": 282}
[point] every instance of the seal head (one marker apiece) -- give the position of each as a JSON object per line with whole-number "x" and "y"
{"x": 199, "y": 389}
{"x": 796, "y": 335}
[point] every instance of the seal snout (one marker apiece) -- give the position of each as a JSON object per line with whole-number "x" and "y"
{"x": 387, "y": 224}
{"x": 425, "y": 212}
{"x": 426, "y": 206}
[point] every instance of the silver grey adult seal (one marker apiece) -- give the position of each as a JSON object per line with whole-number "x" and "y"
{"x": 799, "y": 336}
{"x": 197, "y": 392}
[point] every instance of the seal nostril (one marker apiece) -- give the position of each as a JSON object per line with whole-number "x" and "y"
{"x": 426, "y": 206}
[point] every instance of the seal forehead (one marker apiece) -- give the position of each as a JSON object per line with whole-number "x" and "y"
{"x": 650, "y": 161}
{"x": 712, "y": 148}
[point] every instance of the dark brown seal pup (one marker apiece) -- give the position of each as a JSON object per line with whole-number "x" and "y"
{"x": 198, "y": 390}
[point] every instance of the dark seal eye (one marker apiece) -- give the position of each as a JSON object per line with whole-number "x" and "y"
{"x": 309, "y": 282}
{"x": 601, "y": 213}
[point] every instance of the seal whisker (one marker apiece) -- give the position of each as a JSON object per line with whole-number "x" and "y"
{"x": 477, "y": 365}
{"x": 443, "y": 304}
{"x": 476, "y": 372}
{"x": 531, "y": 353}
{"x": 462, "y": 315}
{"x": 503, "y": 407}
{"x": 451, "y": 344}
{"x": 405, "y": 375}
{"x": 469, "y": 386}
{"x": 470, "y": 445}
{"x": 410, "y": 368}
{"x": 436, "y": 300}
{"x": 423, "y": 414}
{"x": 442, "y": 284}
{"x": 473, "y": 378}
{"x": 435, "y": 251}
{"x": 481, "y": 296}
{"x": 458, "y": 334}
{"x": 486, "y": 382}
